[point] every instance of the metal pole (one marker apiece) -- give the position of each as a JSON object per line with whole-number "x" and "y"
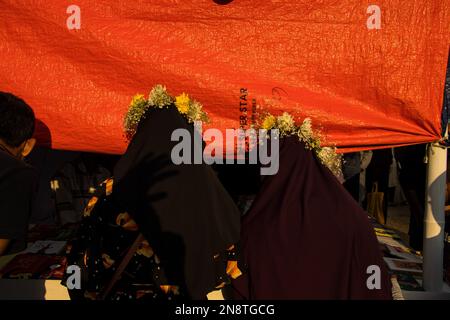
{"x": 434, "y": 220}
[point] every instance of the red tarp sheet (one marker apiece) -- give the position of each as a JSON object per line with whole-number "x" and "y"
{"x": 365, "y": 88}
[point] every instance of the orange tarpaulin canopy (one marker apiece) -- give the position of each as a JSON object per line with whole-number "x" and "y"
{"x": 364, "y": 87}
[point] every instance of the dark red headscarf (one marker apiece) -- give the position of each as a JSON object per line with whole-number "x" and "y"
{"x": 306, "y": 238}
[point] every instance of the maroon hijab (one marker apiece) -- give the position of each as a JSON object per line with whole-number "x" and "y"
{"x": 306, "y": 238}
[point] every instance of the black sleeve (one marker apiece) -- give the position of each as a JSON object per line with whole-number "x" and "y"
{"x": 16, "y": 193}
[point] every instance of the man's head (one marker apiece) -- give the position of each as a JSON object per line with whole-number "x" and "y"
{"x": 17, "y": 123}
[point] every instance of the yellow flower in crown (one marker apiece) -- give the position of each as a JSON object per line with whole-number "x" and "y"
{"x": 182, "y": 102}
{"x": 136, "y": 111}
{"x": 285, "y": 123}
{"x": 159, "y": 98}
{"x": 269, "y": 122}
{"x": 137, "y": 100}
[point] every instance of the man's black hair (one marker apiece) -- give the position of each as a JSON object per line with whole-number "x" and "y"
{"x": 17, "y": 120}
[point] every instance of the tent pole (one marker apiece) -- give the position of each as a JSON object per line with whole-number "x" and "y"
{"x": 434, "y": 219}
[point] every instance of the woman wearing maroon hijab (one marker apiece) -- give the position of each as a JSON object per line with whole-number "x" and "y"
{"x": 306, "y": 238}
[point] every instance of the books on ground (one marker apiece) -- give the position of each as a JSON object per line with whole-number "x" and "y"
{"x": 46, "y": 247}
{"x": 404, "y": 265}
{"x": 403, "y": 252}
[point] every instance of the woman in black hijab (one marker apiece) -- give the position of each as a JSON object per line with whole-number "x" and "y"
{"x": 186, "y": 221}
{"x": 306, "y": 238}
{"x": 183, "y": 210}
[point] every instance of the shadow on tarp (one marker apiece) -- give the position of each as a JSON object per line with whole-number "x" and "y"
{"x": 42, "y": 134}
